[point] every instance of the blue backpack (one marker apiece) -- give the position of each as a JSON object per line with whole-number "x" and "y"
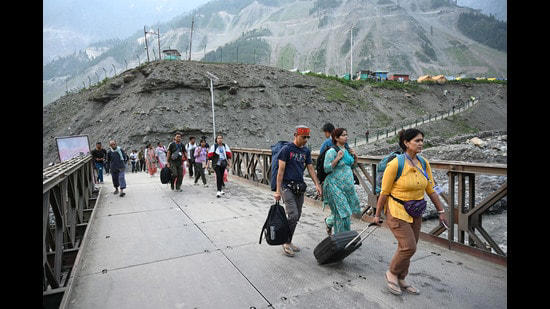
{"x": 400, "y": 165}
{"x": 275, "y": 150}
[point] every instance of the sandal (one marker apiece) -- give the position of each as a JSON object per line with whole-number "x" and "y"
{"x": 294, "y": 248}
{"x": 392, "y": 287}
{"x": 410, "y": 289}
{"x": 328, "y": 228}
{"x": 287, "y": 250}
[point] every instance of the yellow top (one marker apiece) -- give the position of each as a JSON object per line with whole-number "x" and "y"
{"x": 410, "y": 186}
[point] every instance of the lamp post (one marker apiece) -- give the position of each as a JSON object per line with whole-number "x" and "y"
{"x": 212, "y": 77}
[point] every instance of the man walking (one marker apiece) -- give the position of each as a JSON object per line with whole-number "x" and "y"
{"x": 190, "y": 148}
{"x": 99, "y": 154}
{"x": 175, "y": 155}
{"x": 117, "y": 160}
{"x": 293, "y": 159}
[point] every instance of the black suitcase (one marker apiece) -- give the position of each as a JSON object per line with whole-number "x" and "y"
{"x": 335, "y": 248}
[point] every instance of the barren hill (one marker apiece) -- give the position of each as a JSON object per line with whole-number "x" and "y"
{"x": 255, "y": 106}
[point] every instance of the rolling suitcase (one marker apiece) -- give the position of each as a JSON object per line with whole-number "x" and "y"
{"x": 335, "y": 248}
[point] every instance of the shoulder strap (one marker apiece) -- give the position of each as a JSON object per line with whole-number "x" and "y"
{"x": 423, "y": 162}
{"x": 400, "y": 165}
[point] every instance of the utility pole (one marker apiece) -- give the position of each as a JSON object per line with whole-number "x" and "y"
{"x": 158, "y": 37}
{"x": 114, "y": 68}
{"x": 351, "y": 55}
{"x": 212, "y": 77}
{"x": 146, "y": 46}
{"x": 221, "y": 52}
{"x": 254, "y": 55}
{"x": 237, "y": 53}
{"x": 126, "y": 63}
{"x": 89, "y": 81}
{"x": 191, "y": 41}
{"x": 154, "y": 54}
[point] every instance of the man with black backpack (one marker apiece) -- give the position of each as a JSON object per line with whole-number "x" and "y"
{"x": 293, "y": 159}
{"x": 176, "y": 156}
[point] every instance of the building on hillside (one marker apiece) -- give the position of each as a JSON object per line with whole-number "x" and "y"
{"x": 381, "y": 75}
{"x": 365, "y": 74}
{"x": 171, "y": 54}
{"x": 399, "y": 77}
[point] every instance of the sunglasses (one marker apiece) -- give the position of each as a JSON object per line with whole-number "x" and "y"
{"x": 306, "y": 137}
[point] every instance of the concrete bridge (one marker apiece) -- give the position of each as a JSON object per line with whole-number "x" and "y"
{"x": 156, "y": 248}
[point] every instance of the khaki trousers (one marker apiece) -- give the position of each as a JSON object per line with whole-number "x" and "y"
{"x": 407, "y": 235}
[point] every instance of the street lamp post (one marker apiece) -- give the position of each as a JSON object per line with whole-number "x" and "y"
{"x": 212, "y": 77}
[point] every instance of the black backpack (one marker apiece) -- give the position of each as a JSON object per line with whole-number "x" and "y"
{"x": 319, "y": 167}
{"x": 165, "y": 175}
{"x": 277, "y": 231}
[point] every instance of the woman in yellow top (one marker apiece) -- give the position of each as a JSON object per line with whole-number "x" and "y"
{"x": 410, "y": 186}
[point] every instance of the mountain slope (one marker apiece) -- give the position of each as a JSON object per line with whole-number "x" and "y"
{"x": 255, "y": 106}
{"x": 408, "y": 36}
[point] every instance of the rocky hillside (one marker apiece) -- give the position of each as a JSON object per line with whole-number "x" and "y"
{"x": 415, "y": 37}
{"x": 255, "y": 106}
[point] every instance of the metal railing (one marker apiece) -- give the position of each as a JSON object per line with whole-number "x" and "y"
{"x": 255, "y": 165}
{"x": 68, "y": 199}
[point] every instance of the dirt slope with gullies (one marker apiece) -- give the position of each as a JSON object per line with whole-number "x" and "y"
{"x": 255, "y": 106}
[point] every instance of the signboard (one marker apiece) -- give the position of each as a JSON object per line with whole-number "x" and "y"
{"x": 69, "y": 147}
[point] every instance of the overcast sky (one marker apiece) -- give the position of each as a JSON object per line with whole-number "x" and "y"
{"x": 70, "y": 25}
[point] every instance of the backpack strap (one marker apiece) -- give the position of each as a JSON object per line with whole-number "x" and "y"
{"x": 423, "y": 162}
{"x": 400, "y": 165}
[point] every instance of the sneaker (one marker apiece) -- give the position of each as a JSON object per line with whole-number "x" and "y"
{"x": 205, "y": 185}
{"x": 287, "y": 250}
{"x": 122, "y": 194}
{"x": 294, "y": 248}
{"x": 196, "y": 184}
{"x": 218, "y": 194}
{"x": 116, "y": 191}
{"x": 179, "y": 190}
{"x": 222, "y": 192}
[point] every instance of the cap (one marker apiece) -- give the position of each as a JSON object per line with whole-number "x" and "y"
{"x": 302, "y": 130}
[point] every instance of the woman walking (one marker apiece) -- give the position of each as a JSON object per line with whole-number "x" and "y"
{"x": 219, "y": 153}
{"x": 200, "y": 162}
{"x": 405, "y": 206}
{"x": 338, "y": 189}
{"x": 160, "y": 152}
{"x": 151, "y": 160}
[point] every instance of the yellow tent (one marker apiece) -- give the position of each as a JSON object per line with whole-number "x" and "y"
{"x": 424, "y": 78}
{"x": 440, "y": 79}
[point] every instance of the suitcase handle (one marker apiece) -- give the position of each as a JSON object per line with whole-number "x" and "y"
{"x": 358, "y": 236}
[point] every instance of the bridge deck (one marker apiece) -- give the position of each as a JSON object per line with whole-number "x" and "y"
{"x": 155, "y": 248}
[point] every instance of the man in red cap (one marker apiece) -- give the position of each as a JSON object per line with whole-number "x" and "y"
{"x": 293, "y": 159}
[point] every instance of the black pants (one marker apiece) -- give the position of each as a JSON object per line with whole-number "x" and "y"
{"x": 134, "y": 168}
{"x": 141, "y": 165}
{"x": 107, "y": 165}
{"x": 199, "y": 173}
{"x": 177, "y": 174}
{"x": 219, "y": 169}
{"x": 191, "y": 164}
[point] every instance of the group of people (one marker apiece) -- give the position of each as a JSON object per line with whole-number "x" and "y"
{"x": 338, "y": 192}
{"x": 337, "y": 189}
{"x": 176, "y": 156}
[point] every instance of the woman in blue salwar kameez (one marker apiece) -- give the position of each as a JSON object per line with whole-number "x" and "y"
{"x": 338, "y": 188}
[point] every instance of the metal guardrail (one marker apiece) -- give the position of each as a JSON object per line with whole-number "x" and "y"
{"x": 255, "y": 165}
{"x": 68, "y": 199}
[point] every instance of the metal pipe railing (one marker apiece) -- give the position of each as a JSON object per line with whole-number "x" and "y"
{"x": 255, "y": 165}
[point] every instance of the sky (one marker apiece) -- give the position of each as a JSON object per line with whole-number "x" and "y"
{"x": 70, "y": 25}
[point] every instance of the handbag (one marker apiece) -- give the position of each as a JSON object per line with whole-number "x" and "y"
{"x": 415, "y": 208}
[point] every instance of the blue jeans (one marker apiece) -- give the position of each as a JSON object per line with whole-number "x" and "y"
{"x": 99, "y": 166}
